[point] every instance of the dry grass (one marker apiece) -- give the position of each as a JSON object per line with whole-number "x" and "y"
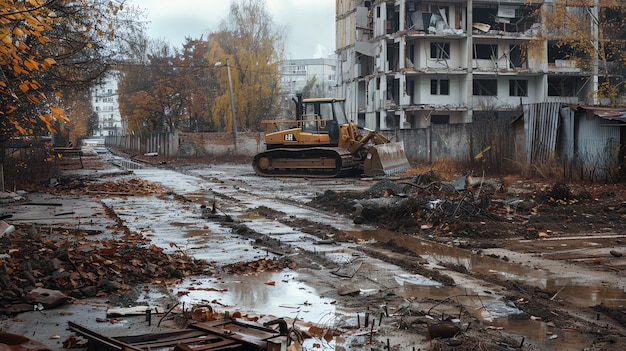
{"x": 446, "y": 169}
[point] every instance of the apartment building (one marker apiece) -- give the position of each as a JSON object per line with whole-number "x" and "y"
{"x": 297, "y": 73}
{"x": 104, "y": 101}
{"x": 410, "y": 64}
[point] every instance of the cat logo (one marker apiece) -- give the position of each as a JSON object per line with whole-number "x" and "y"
{"x": 290, "y": 137}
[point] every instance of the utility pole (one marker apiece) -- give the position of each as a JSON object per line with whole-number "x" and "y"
{"x": 232, "y": 104}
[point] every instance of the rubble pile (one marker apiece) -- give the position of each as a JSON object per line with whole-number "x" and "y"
{"x": 428, "y": 205}
{"x": 422, "y": 204}
{"x": 69, "y": 262}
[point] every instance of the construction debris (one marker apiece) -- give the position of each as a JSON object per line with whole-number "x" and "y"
{"x": 214, "y": 335}
{"x": 431, "y": 205}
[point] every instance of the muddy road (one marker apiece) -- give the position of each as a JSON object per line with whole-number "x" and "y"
{"x": 401, "y": 263}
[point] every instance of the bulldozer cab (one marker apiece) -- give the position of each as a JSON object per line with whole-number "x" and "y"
{"x": 323, "y": 116}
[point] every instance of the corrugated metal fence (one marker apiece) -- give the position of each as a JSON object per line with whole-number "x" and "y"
{"x": 541, "y": 124}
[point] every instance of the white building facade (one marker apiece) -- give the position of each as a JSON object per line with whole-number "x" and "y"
{"x": 296, "y": 74}
{"x": 104, "y": 97}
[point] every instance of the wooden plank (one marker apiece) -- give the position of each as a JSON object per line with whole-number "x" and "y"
{"x": 197, "y": 343}
{"x": 225, "y": 344}
{"x": 105, "y": 341}
{"x": 135, "y": 339}
{"x": 172, "y": 342}
{"x": 248, "y": 335}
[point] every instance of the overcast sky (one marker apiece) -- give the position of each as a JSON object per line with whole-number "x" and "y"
{"x": 309, "y": 24}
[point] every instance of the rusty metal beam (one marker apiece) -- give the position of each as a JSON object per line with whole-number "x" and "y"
{"x": 181, "y": 340}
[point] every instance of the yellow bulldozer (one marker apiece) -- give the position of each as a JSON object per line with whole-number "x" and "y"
{"x": 322, "y": 142}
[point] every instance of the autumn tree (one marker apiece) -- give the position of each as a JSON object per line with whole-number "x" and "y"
{"x": 203, "y": 90}
{"x": 168, "y": 90}
{"x": 253, "y": 46}
{"x": 592, "y": 33}
{"x": 48, "y": 48}
{"x": 83, "y": 119}
{"x": 25, "y": 102}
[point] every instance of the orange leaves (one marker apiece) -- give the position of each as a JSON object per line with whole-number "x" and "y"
{"x": 28, "y": 49}
{"x": 20, "y": 22}
{"x": 47, "y": 62}
{"x": 17, "y": 31}
{"x": 57, "y": 113}
{"x": 29, "y": 85}
{"x": 44, "y": 40}
{"x": 31, "y": 64}
{"x": 34, "y": 3}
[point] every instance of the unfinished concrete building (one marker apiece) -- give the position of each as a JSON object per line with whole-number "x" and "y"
{"x": 412, "y": 64}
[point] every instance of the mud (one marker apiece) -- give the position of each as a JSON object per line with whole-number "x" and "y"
{"x": 516, "y": 264}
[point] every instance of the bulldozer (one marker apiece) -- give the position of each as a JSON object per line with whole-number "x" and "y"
{"x": 321, "y": 142}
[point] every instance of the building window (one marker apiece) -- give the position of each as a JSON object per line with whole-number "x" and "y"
{"x": 439, "y": 87}
{"x": 485, "y": 87}
{"x": 518, "y": 87}
{"x": 440, "y": 50}
{"x": 485, "y": 51}
{"x": 564, "y": 86}
{"x": 515, "y": 56}
{"x": 439, "y": 119}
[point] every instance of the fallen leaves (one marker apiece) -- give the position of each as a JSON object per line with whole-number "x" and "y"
{"x": 133, "y": 186}
{"x": 90, "y": 267}
{"x": 75, "y": 342}
{"x": 262, "y": 265}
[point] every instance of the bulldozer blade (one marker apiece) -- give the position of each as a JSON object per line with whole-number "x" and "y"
{"x": 386, "y": 159}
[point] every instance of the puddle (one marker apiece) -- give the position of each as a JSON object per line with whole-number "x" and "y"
{"x": 493, "y": 311}
{"x": 287, "y": 297}
{"x": 266, "y": 295}
{"x": 567, "y": 287}
{"x": 543, "y": 337}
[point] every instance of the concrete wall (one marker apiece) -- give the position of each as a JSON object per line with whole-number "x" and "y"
{"x": 214, "y": 144}
{"x": 439, "y": 141}
{"x": 450, "y": 141}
